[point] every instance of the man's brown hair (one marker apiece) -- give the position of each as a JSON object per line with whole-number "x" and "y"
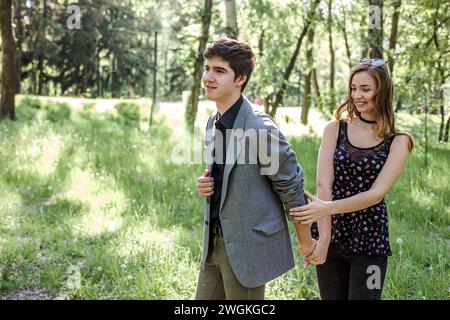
{"x": 237, "y": 53}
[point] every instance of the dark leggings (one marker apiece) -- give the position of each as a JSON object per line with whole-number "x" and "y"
{"x": 346, "y": 276}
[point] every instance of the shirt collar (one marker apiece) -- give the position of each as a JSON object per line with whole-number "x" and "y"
{"x": 228, "y": 118}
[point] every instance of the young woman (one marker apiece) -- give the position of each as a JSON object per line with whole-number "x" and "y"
{"x": 361, "y": 157}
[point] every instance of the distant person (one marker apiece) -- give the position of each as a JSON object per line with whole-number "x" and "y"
{"x": 246, "y": 238}
{"x": 361, "y": 157}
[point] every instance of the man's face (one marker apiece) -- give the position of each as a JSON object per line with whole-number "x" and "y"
{"x": 218, "y": 80}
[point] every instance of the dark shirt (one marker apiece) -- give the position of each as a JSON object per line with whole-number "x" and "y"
{"x": 222, "y": 123}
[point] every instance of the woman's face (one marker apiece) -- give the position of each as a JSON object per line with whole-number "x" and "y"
{"x": 363, "y": 88}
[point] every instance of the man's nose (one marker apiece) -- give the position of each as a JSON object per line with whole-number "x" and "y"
{"x": 208, "y": 76}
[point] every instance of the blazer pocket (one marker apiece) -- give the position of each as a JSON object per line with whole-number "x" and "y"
{"x": 270, "y": 227}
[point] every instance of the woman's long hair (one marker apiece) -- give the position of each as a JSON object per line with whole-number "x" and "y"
{"x": 384, "y": 111}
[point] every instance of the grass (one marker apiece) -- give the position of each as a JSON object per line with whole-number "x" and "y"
{"x": 98, "y": 195}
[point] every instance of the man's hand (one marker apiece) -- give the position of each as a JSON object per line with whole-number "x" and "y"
{"x": 307, "y": 251}
{"x": 205, "y": 184}
{"x": 319, "y": 255}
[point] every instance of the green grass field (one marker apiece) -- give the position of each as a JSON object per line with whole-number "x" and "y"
{"x": 95, "y": 193}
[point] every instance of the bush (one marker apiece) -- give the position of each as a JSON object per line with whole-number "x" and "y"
{"x": 88, "y": 105}
{"x": 58, "y": 111}
{"x": 30, "y": 102}
{"x": 129, "y": 111}
{"x": 26, "y": 113}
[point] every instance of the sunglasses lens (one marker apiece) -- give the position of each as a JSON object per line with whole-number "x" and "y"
{"x": 378, "y": 62}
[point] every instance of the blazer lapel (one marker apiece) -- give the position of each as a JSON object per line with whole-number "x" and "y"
{"x": 234, "y": 146}
{"x": 209, "y": 140}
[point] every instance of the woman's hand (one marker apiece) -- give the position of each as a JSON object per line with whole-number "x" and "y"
{"x": 311, "y": 212}
{"x": 319, "y": 255}
{"x": 307, "y": 250}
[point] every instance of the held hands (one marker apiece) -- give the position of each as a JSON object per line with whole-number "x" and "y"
{"x": 319, "y": 254}
{"x": 311, "y": 212}
{"x": 205, "y": 184}
{"x": 307, "y": 250}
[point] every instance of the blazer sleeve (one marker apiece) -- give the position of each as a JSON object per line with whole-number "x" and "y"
{"x": 279, "y": 162}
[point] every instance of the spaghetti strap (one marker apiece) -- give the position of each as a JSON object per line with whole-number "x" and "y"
{"x": 341, "y": 134}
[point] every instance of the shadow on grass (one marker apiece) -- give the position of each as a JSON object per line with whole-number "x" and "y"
{"x": 46, "y": 216}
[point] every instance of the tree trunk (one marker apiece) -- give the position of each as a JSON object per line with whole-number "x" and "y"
{"x": 441, "y": 126}
{"x": 399, "y": 104}
{"x": 375, "y": 29}
{"x": 231, "y": 30}
{"x": 84, "y": 79}
{"x": 290, "y": 67}
{"x": 261, "y": 43}
{"x": 191, "y": 108}
{"x": 19, "y": 36}
{"x": 332, "y": 62}
{"x": 98, "y": 76}
{"x": 42, "y": 49}
{"x": 9, "y": 78}
{"x": 309, "y": 76}
{"x": 393, "y": 37}
{"x": 442, "y": 111}
{"x": 343, "y": 27}
{"x": 114, "y": 79}
{"x": 363, "y": 36}
{"x": 447, "y": 127}
{"x": 41, "y": 74}
{"x": 306, "y": 98}
{"x": 316, "y": 88}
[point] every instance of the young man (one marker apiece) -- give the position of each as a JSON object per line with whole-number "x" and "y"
{"x": 246, "y": 238}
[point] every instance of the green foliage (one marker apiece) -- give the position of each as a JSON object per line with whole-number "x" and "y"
{"x": 57, "y": 111}
{"x": 129, "y": 111}
{"x": 29, "y": 102}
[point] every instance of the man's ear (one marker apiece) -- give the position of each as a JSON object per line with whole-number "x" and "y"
{"x": 241, "y": 80}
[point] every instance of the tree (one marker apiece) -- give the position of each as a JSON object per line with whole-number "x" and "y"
{"x": 191, "y": 108}
{"x": 423, "y": 74}
{"x": 231, "y": 30}
{"x": 343, "y": 27}
{"x": 9, "y": 79}
{"x": 287, "y": 73}
{"x": 307, "y": 86}
{"x": 393, "y": 36}
{"x": 332, "y": 59}
{"x": 375, "y": 27}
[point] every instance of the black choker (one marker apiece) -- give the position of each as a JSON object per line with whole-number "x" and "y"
{"x": 366, "y": 121}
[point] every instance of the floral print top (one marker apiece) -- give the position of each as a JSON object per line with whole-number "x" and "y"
{"x": 364, "y": 232}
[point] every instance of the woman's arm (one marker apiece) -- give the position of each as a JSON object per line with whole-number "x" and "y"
{"x": 324, "y": 184}
{"x": 325, "y": 174}
{"x": 396, "y": 162}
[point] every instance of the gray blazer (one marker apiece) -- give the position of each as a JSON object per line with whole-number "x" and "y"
{"x": 253, "y": 206}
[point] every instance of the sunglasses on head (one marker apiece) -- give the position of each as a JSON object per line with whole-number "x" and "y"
{"x": 376, "y": 63}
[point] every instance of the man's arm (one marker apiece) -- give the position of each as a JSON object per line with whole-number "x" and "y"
{"x": 287, "y": 178}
